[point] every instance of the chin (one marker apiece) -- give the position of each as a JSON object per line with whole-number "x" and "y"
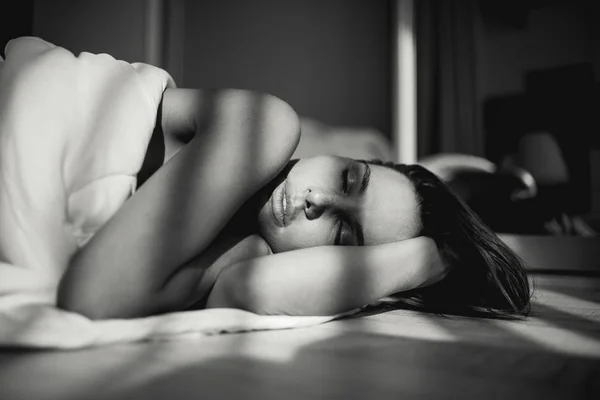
{"x": 269, "y": 232}
{"x": 266, "y": 229}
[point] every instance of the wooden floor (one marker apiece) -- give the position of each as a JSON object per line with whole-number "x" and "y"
{"x": 392, "y": 355}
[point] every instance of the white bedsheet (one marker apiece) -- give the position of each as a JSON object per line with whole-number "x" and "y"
{"x": 73, "y": 135}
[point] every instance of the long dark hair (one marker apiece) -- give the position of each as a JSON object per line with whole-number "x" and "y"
{"x": 486, "y": 276}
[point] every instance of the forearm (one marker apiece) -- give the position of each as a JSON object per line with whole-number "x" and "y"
{"x": 323, "y": 280}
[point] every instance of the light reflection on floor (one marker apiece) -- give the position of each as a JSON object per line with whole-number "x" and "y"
{"x": 577, "y": 307}
{"x": 552, "y": 337}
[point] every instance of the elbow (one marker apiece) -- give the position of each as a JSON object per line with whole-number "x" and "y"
{"x": 97, "y": 304}
{"x": 69, "y": 299}
{"x": 75, "y": 295}
{"x": 94, "y": 308}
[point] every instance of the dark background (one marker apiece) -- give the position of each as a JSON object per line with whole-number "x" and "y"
{"x": 537, "y": 62}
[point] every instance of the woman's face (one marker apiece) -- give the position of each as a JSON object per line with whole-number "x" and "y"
{"x": 338, "y": 201}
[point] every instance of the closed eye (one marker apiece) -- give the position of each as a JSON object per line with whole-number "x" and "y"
{"x": 345, "y": 173}
{"x": 340, "y": 233}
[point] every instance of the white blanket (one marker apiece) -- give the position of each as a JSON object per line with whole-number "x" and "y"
{"x": 73, "y": 135}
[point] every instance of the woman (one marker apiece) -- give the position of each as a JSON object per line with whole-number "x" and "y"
{"x": 230, "y": 221}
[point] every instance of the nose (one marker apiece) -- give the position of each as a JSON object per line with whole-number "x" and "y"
{"x": 317, "y": 201}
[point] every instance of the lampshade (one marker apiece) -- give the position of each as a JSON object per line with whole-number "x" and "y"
{"x": 540, "y": 154}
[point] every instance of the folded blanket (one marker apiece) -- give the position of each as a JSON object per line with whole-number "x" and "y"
{"x": 73, "y": 135}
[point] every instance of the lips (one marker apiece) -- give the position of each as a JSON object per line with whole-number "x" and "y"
{"x": 284, "y": 201}
{"x": 279, "y": 204}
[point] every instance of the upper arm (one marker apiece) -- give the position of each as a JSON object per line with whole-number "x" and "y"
{"x": 242, "y": 140}
{"x": 190, "y": 112}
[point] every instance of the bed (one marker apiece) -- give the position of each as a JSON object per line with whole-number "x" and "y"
{"x": 377, "y": 354}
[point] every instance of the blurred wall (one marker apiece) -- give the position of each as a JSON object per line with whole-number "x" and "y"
{"x": 559, "y": 33}
{"x": 329, "y": 59}
{"x": 109, "y": 26}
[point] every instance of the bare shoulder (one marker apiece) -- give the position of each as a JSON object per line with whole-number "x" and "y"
{"x": 187, "y": 113}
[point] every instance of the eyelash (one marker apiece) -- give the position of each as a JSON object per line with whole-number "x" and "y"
{"x": 345, "y": 174}
{"x": 340, "y": 231}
